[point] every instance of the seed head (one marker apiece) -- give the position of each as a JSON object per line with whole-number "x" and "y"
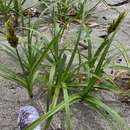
{"x": 115, "y": 24}
{"x": 11, "y": 36}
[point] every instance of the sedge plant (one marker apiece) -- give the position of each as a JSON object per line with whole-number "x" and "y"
{"x": 77, "y": 82}
{"x": 67, "y": 82}
{"x": 27, "y": 55}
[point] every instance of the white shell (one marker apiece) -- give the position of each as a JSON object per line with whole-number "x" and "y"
{"x": 27, "y": 115}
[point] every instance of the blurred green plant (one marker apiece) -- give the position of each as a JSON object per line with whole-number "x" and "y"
{"x": 5, "y": 8}
{"x": 66, "y": 11}
{"x": 11, "y": 9}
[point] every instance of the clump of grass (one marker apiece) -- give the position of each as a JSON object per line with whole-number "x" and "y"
{"x": 12, "y": 9}
{"x": 63, "y": 79}
{"x": 64, "y": 75}
{"x": 27, "y": 54}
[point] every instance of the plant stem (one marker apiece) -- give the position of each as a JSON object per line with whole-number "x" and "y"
{"x": 24, "y": 72}
{"x": 20, "y": 61}
{"x": 29, "y": 41}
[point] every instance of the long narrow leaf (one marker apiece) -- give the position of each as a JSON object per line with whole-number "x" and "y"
{"x": 121, "y": 124}
{"x": 67, "y": 109}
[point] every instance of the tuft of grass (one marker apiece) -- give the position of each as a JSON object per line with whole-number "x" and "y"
{"x": 63, "y": 78}
{"x": 71, "y": 77}
{"x": 28, "y": 57}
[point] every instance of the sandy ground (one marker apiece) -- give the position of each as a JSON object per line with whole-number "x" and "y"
{"x": 83, "y": 118}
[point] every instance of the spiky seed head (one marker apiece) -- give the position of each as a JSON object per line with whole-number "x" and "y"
{"x": 11, "y": 36}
